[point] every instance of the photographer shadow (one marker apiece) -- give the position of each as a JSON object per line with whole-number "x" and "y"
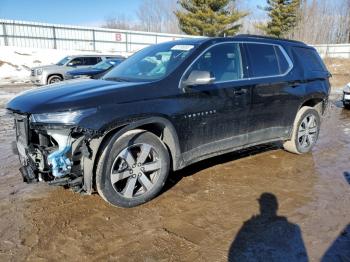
{"x": 268, "y": 237}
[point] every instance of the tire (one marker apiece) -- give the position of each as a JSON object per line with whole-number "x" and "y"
{"x": 132, "y": 169}
{"x": 54, "y": 79}
{"x": 305, "y": 132}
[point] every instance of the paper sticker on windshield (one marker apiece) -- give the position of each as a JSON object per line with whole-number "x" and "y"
{"x": 182, "y": 47}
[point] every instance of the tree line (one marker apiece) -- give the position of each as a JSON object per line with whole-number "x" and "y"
{"x": 311, "y": 21}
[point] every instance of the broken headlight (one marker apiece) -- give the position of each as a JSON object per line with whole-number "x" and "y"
{"x": 66, "y": 118}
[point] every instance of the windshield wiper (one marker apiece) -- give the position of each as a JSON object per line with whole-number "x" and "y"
{"x": 117, "y": 79}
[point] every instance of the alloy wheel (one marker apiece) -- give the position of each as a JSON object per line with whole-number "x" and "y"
{"x": 307, "y": 132}
{"x": 135, "y": 170}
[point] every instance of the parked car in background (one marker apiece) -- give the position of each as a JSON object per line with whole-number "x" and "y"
{"x": 49, "y": 74}
{"x": 166, "y": 107}
{"x": 96, "y": 71}
{"x": 346, "y": 96}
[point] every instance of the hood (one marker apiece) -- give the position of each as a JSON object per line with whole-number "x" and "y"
{"x": 50, "y": 67}
{"x": 76, "y": 94}
{"x": 85, "y": 71}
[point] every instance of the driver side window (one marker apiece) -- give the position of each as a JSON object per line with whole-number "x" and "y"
{"x": 223, "y": 62}
{"x": 76, "y": 62}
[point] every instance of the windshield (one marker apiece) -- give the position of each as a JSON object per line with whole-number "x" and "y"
{"x": 151, "y": 63}
{"x": 103, "y": 65}
{"x": 63, "y": 61}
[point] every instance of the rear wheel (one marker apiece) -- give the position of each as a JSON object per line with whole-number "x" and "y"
{"x": 132, "y": 169}
{"x": 346, "y": 106}
{"x": 305, "y": 131}
{"x": 54, "y": 79}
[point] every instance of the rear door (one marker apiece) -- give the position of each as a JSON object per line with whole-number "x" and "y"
{"x": 269, "y": 117}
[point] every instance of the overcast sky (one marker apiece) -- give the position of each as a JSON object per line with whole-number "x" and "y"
{"x": 80, "y": 12}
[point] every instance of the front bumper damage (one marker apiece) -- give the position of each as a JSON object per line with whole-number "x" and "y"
{"x": 53, "y": 154}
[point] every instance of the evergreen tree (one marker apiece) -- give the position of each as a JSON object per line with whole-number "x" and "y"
{"x": 283, "y": 17}
{"x": 209, "y": 17}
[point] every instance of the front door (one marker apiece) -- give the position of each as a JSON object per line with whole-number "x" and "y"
{"x": 215, "y": 113}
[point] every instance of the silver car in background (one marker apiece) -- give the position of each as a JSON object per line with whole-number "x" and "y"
{"x": 49, "y": 74}
{"x": 346, "y": 96}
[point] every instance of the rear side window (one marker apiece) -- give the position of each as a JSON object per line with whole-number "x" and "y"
{"x": 91, "y": 60}
{"x": 266, "y": 60}
{"x": 310, "y": 59}
{"x": 282, "y": 61}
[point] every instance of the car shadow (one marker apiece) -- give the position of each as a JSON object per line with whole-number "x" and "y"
{"x": 347, "y": 177}
{"x": 339, "y": 251}
{"x": 268, "y": 237}
{"x": 177, "y": 176}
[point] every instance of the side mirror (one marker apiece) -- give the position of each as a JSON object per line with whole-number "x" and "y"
{"x": 197, "y": 77}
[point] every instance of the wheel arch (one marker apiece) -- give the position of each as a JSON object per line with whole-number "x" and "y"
{"x": 159, "y": 126}
{"x": 53, "y": 74}
{"x": 317, "y": 102}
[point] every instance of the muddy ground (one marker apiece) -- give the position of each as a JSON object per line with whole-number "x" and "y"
{"x": 208, "y": 212}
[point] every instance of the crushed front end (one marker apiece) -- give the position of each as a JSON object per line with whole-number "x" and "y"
{"x": 50, "y": 152}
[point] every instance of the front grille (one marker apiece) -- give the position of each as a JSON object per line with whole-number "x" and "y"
{"x": 21, "y": 122}
{"x": 32, "y": 72}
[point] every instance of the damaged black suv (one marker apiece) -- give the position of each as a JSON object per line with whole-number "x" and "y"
{"x": 167, "y": 106}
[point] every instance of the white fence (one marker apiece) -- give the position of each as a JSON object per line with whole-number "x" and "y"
{"x": 334, "y": 50}
{"x": 54, "y": 36}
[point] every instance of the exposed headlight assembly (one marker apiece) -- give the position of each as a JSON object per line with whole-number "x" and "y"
{"x": 347, "y": 88}
{"x": 66, "y": 118}
{"x": 39, "y": 71}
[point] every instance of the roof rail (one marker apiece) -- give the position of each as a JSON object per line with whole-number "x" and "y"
{"x": 269, "y": 37}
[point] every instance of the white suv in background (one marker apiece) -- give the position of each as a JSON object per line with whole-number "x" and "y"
{"x": 49, "y": 74}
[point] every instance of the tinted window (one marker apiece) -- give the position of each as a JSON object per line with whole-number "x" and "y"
{"x": 282, "y": 61}
{"x": 310, "y": 59}
{"x": 76, "y": 61}
{"x": 91, "y": 60}
{"x": 263, "y": 60}
{"x": 223, "y": 61}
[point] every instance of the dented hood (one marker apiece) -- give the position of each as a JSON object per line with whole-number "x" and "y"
{"x": 77, "y": 94}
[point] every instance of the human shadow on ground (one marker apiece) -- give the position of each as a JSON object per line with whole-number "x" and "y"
{"x": 339, "y": 251}
{"x": 347, "y": 177}
{"x": 268, "y": 237}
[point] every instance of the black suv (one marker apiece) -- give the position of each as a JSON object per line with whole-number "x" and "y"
{"x": 167, "y": 106}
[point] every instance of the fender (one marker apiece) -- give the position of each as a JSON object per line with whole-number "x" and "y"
{"x": 169, "y": 138}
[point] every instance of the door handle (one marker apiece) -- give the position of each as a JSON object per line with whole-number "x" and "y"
{"x": 239, "y": 92}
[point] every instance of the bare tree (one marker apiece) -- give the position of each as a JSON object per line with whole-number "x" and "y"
{"x": 323, "y": 21}
{"x": 118, "y": 22}
{"x": 158, "y": 16}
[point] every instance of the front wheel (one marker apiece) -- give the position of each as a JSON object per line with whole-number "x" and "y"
{"x": 305, "y": 131}
{"x": 132, "y": 169}
{"x": 54, "y": 79}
